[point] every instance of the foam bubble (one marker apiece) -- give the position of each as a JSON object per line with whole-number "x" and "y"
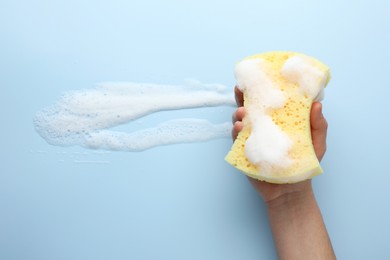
{"x": 84, "y": 117}
{"x": 310, "y": 79}
{"x": 259, "y": 88}
{"x": 267, "y": 145}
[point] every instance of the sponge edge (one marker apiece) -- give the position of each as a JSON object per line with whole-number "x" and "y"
{"x": 292, "y": 117}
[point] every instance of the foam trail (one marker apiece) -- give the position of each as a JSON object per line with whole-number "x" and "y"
{"x": 84, "y": 117}
{"x": 170, "y": 132}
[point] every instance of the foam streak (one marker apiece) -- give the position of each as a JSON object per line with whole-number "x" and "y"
{"x": 84, "y": 117}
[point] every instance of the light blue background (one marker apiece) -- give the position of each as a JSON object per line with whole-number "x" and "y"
{"x": 183, "y": 201}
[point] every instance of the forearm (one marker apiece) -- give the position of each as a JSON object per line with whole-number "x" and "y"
{"x": 298, "y": 228}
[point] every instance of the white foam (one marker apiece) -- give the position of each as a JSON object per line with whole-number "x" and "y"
{"x": 310, "y": 79}
{"x": 170, "y": 132}
{"x": 267, "y": 145}
{"x": 84, "y": 117}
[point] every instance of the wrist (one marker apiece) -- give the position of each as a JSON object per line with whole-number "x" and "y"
{"x": 291, "y": 195}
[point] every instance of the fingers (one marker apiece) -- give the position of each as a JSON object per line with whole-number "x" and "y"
{"x": 237, "y": 127}
{"x": 238, "y": 115}
{"x": 239, "y": 96}
{"x": 237, "y": 124}
{"x": 319, "y": 127}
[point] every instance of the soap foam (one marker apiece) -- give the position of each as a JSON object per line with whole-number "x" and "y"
{"x": 84, "y": 117}
{"x": 170, "y": 132}
{"x": 267, "y": 145}
{"x": 311, "y": 80}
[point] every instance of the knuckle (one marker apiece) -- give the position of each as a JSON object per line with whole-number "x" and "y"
{"x": 234, "y": 117}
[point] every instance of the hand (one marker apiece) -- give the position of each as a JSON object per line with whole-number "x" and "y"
{"x": 277, "y": 193}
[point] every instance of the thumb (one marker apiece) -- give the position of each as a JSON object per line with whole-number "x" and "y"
{"x": 319, "y": 127}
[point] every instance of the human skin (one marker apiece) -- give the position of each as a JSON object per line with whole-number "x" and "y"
{"x": 297, "y": 225}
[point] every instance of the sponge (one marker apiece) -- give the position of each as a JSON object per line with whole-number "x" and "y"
{"x": 275, "y": 143}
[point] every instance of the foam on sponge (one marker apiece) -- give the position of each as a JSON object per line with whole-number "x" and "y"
{"x": 275, "y": 144}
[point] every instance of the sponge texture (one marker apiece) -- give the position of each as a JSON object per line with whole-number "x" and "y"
{"x": 295, "y": 80}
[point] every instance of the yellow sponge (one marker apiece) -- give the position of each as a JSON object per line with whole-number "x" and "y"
{"x": 279, "y": 89}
